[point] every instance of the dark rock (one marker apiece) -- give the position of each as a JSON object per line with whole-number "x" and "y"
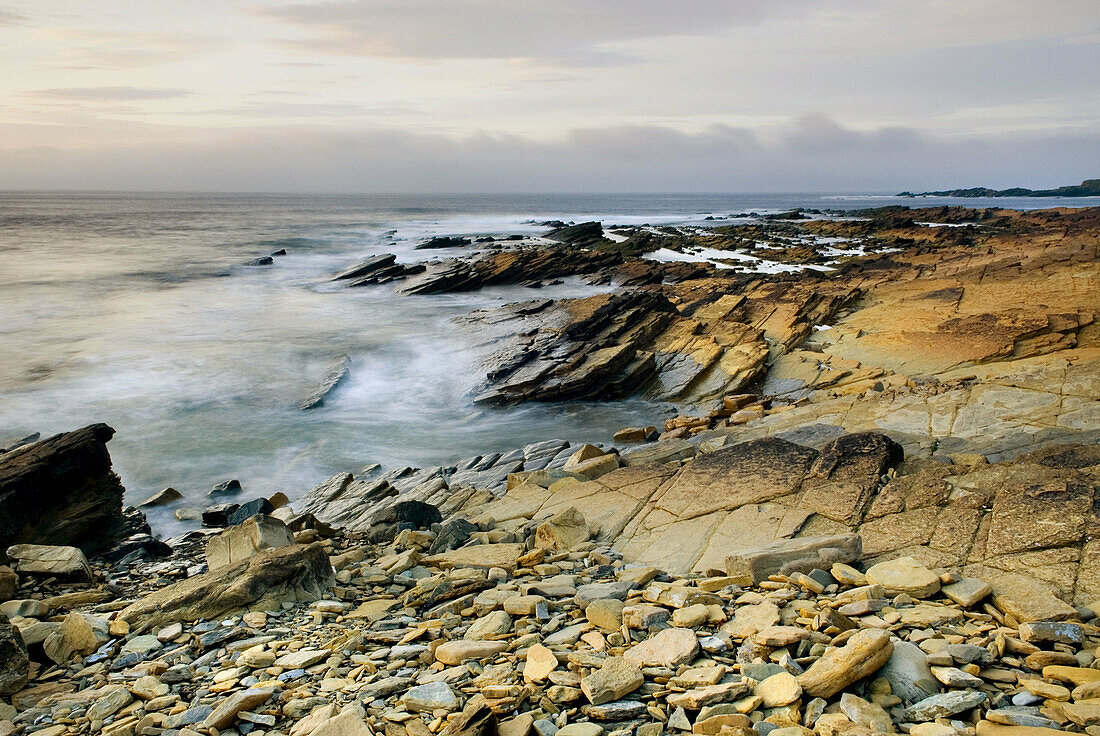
{"x": 162, "y": 498}
{"x": 246, "y": 511}
{"x": 145, "y": 543}
{"x": 444, "y": 242}
{"x": 421, "y": 515}
{"x": 453, "y": 533}
{"x": 583, "y": 234}
{"x": 586, "y": 349}
{"x": 21, "y": 442}
{"x": 280, "y": 252}
{"x": 62, "y": 491}
{"x": 261, "y": 261}
{"x": 337, "y": 372}
{"x": 225, "y": 488}
{"x": 514, "y": 266}
{"x": 367, "y": 266}
{"x": 218, "y": 515}
{"x": 15, "y": 664}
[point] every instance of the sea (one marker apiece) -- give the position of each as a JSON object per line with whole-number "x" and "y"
{"x": 136, "y": 309}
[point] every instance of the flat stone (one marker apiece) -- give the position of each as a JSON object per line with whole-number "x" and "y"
{"x": 667, "y": 648}
{"x": 1039, "y": 632}
{"x": 503, "y": 555}
{"x": 904, "y": 575}
{"x": 944, "y": 705}
{"x": 780, "y": 636}
{"x": 752, "y": 618}
{"x": 580, "y": 729}
{"x": 864, "y": 713}
{"x": 616, "y": 678}
{"x": 346, "y": 723}
{"x": 954, "y": 677}
{"x": 109, "y": 702}
{"x": 698, "y": 697}
{"x": 778, "y": 690}
{"x": 967, "y": 592}
{"x": 908, "y": 673}
{"x": 458, "y": 651}
{"x": 430, "y": 697}
{"x": 563, "y": 531}
{"x": 225, "y": 712}
{"x": 756, "y": 564}
{"x": 606, "y": 613}
{"x": 491, "y": 626}
{"x": 540, "y": 662}
{"x": 239, "y": 543}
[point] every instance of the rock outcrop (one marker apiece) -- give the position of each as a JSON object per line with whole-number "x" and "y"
{"x": 62, "y": 491}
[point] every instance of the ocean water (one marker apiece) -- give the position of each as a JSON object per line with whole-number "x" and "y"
{"x": 136, "y": 310}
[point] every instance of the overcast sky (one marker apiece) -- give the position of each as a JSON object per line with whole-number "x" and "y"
{"x": 548, "y": 95}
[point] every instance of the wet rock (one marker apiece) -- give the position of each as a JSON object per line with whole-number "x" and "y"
{"x": 225, "y": 488}
{"x": 334, "y": 376}
{"x": 161, "y": 498}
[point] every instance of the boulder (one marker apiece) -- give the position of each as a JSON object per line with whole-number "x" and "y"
{"x": 240, "y": 543}
{"x": 270, "y": 577}
{"x": 62, "y": 491}
{"x": 68, "y": 563}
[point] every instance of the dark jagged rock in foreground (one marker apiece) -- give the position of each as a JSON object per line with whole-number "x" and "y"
{"x": 62, "y": 491}
{"x": 1087, "y": 188}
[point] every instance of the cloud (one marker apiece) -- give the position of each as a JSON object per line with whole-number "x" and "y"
{"x": 116, "y": 49}
{"x": 809, "y": 154}
{"x": 574, "y": 32}
{"x": 9, "y": 17}
{"x": 106, "y": 94}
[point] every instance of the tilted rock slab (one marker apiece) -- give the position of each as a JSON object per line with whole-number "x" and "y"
{"x": 293, "y": 573}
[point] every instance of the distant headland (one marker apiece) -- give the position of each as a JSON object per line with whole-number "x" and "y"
{"x": 1087, "y": 188}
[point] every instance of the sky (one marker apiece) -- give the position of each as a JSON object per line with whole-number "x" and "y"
{"x": 548, "y": 95}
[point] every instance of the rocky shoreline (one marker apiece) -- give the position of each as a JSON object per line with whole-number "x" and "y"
{"x": 873, "y": 511}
